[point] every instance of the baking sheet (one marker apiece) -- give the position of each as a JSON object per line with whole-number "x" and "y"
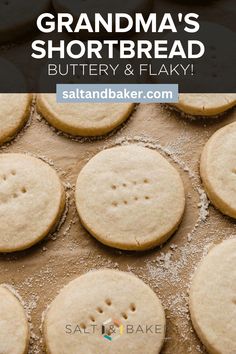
{"x": 40, "y": 272}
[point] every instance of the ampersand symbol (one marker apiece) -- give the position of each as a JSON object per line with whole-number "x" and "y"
{"x": 129, "y": 70}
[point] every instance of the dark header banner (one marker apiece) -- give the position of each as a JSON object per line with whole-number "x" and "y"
{"x": 44, "y": 43}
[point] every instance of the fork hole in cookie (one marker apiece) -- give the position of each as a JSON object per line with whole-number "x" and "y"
{"x": 146, "y": 181}
{"x": 13, "y": 172}
{"x": 4, "y": 177}
{"x": 113, "y": 186}
{"x": 15, "y": 195}
{"x": 132, "y": 307}
{"x": 83, "y": 325}
{"x": 114, "y": 204}
{"x": 147, "y": 197}
{"x": 124, "y": 315}
{"x": 108, "y": 302}
{"x": 92, "y": 318}
{"x": 125, "y": 202}
{"x": 23, "y": 190}
{"x": 100, "y": 310}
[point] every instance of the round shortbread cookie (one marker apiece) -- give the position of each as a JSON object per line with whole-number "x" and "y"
{"x": 130, "y": 197}
{"x": 218, "y": 169}
{"x": 31, "y": 201}
{"x": 14, "y": 329}
{"x": 213, "y": 299}
{"x": 83, "y": 119}
{"x": 18, "y": 17}
{"x": 105, "y": 311}
{"x": 207, "y": 105}
{"x": 14, "y": 112}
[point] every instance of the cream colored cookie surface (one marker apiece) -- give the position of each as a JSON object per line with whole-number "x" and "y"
{"x": 130, "y": 197}
{"x": 83, "y": 119}
{"x": 213, "y": 299}
{"x": 14, "y": 112}
{"x": 105, "y": 311}
{"x": 31, "y": 201}
{"x": 14, "y": 329}
{"x": 218, "y": 169}
{"x": 196, "y": 104}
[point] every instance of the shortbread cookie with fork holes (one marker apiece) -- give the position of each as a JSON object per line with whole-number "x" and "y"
{"x": 130, "y": 197}
{"x": 105, "y": 311}
{"x": 32, "y": 200}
